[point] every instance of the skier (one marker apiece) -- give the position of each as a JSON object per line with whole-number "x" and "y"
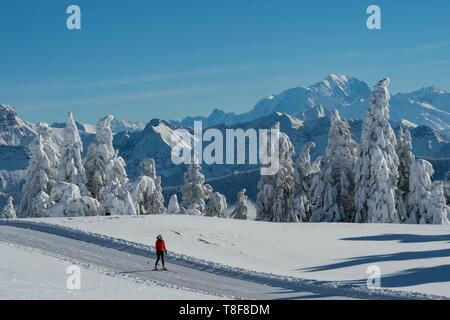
{"x": 160, "y": 247}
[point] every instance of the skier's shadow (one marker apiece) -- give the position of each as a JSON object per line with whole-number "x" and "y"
{"x": 136, "y": 271}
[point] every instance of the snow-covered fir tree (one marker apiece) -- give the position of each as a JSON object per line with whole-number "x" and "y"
{"x": 273, "y": 202}
{"x": 193, "y": 191}
{"x": 106, "y": 174}
{"x": 240, "y": 210}
{"x": 71, "y": 166}
{"x": 265, "y": 198}
{"x": 66, "y": 200}
{"x": 51, "y": 143}
{"x": 304, "y": 172}
{"x": 143, "y": 193}
{"x": 447, "y": 187}
{"x": 333, "y": 187}
{"x": 41, "y": 173}
{"x": 99, "y": 156}
{"x": 117, "y": 200}
{"x": 156, "y": 204}
{"x": 61, "y": 195}
{"x": 129, "y": 208}
{"x": 376, "y": 177}
{"x": 438, "y": 210}
{"x": 174, "y": 207}
{"x": 406, "y": 158}
{"x": 419, "y": 196}
{"x": 115, "y": 196}
{"x": 406, "y": 161}
{"x": 216, "y": 205}
{"x": 8, "y": 211}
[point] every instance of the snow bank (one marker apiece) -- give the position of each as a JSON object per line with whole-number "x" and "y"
{"x": 21, "y": 277}
{"x": 413, "y": 258}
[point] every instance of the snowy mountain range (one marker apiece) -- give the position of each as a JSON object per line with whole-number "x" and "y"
{"x": 428, "y": 106}
{"x": 117, "y": 125}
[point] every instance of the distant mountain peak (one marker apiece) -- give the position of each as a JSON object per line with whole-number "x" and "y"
{"x": 13, "y": 130}
{"x": 432, "y": 90}
{"x": 338, "y": 78}
{"x": 8, "y": 116}
{"x": 126, "y": 125}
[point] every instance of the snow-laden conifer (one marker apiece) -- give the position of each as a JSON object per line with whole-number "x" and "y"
{"x": 376, "y": 177}
{"x": 240, "y": 211}
{"x": 420, "y": 186}
{"x": 41, "y": 173}
{"x": 275, "y": 193}
{"x": 333, "y": 187}
{"x": 304, "y": 172}
{"x": 71, "y": 165}
{"x": 216, "y": 205}
{"x": 194, "y": 191}
{"x": 8, "y": 211}
{"x": 438, "y": 210}
{"x": 174, "y": 207}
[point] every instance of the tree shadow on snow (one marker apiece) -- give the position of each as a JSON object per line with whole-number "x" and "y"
{"x": 374, "y": 259}
{"x": 414, "y": 277}
{"x": 405, "y": 278}
{"x": 403, "y": 238}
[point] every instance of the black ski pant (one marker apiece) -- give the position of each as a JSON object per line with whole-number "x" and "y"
{"x": 159, "y": 256}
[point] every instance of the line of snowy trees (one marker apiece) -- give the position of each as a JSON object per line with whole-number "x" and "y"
{"x": 378, "y": 181}
{"x": 60, "y": 183}
{"x": 199, "y": 198}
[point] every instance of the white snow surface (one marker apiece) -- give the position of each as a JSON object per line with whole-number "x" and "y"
{"x": 22, "y": 278}
{"x": 412, "y": 258}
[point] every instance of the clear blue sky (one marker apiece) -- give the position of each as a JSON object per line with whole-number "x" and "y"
{"x": 144, "y": 59}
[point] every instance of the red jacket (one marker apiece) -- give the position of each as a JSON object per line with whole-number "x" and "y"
{"x": 160, "y": 245}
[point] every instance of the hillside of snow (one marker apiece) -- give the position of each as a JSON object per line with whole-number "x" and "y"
{"x": 22, "y": 278}
{"x": 411, "y": 257}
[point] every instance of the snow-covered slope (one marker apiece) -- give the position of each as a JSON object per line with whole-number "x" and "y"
{"x": 411, "y": 257}
{"x": 429, "y": 106}
{"x": 22, "y": 278}
{"x": 80, "y": 126}
{"x": 15, "y": 136}
{"x": 118, "y": 125}
{"x": 155, "y": 141}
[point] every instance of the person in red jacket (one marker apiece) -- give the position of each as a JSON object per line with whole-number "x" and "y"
{"x": 160, "y": 247}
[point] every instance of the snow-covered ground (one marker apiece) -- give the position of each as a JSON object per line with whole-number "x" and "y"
{"x": 411, "y": 257}
{"x": 22, "y": 277}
